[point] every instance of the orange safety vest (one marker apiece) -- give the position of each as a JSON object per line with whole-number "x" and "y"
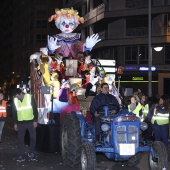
{"x": 3, "y": 109}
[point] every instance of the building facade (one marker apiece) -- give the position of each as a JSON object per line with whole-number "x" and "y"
{"x": 24, "y": 31}
{"x": 123, "y": 28}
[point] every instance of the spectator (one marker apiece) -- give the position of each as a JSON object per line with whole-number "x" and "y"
{"x": 135, "y": 107}
{"x": 25, "y": 116}
{"x": 3, "y": 114}
{"x": 145, "y": 107}
{"x": 160, "y": 119}
{"x": 102, "y": 99}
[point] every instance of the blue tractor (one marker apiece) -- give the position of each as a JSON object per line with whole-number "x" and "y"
{"x": 120, "y": 140}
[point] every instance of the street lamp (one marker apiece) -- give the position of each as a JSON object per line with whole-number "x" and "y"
{"x": 149, "y": 53}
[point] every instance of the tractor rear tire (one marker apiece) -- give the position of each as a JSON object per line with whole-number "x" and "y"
{"x": 88, "y": 156}
{"x": 71, "y": 141}
{"x": 160, "y": 161}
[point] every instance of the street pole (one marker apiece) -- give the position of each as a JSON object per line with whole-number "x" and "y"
{"x": 149, "y": 52}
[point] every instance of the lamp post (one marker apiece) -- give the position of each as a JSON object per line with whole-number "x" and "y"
{"x": 149, "y": 53}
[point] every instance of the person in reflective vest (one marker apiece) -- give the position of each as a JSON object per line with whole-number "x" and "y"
{"x": 135, "y": 107}
{"x": 3, "y": 113}
{"x": 160, "y": 120}
{"x": 145, "y": 107}
{"x": 25, "y": 115}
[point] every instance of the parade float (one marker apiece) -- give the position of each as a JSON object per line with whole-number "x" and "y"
{"x": 60, "y": 71}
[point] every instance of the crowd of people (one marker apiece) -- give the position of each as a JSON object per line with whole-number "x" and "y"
{"x": 154, "y": 111}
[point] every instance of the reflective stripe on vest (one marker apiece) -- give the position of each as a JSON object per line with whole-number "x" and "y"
{"x": 145, "y": 110}
{"x": 160, "y": 118}
{"x": 3, "y": 109}
{"x": 24, "y": 108}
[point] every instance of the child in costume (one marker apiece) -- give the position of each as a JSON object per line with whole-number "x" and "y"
{"x": 58, "y": 66}
{"x": 55, "y": 85}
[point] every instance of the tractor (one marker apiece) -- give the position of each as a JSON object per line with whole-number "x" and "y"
{"x": 120, "y": 140}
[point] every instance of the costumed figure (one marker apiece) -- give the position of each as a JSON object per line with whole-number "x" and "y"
{"x": 72, "y": 101}
{"x": 58, "y": 66}
{"x": 67, "y": 43}
{"x": 91, "y": 80}
{"x": 64, "y": 101}
{"x": 110, "y": 79}
{"x": 55, "y": 85}
{"x": 40, "y": 76}
{"x": 61, "y": 102}
{"x": 84, "y": 66}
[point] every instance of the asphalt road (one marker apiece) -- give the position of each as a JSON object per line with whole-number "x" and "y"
{"x": 49, "y": 161}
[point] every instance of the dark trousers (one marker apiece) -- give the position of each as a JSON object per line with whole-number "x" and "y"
{"x": 22, "y": 127}
{"x": 97, "y": 122}
{"x": 161, "y": 133}
{"x": 87, "y": 92}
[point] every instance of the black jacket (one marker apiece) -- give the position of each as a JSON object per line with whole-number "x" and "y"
{"x": 103, "y": 99}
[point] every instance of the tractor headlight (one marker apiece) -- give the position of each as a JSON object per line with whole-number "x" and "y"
{"x": 105, "y": 127}
{"x": 143, "y": 126}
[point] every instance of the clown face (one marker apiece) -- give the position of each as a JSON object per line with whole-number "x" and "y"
{"x": 67, "y": 25}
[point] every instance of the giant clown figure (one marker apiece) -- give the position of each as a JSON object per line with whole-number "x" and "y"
{"x": 66, "y": 42}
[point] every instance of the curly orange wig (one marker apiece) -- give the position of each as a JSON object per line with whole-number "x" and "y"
{"x": 66, "y": 13}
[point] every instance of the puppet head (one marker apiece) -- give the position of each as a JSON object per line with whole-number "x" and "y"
{"x": 66, "y": 19}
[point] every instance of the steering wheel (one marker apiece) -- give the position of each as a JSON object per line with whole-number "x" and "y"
{"x": 110, "y": 104}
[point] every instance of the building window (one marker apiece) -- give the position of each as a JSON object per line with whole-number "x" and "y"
{"x": 41, "y": 37}
{"x": 131, "y": 53}
{"x": 129, "y": 4}
{"x": 52, "y": 24}
{"x": 41, "y": 11}
{"x": 41, "y": 24}
{"x": 167, "y": 54}
{"x": 143, "y": 54}
{"x": 136, "y": 54}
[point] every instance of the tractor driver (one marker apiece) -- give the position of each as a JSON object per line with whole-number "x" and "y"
{"x": 103, "y": 98}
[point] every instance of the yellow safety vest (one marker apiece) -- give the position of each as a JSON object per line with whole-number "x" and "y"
{"x": 24, "y": 108}
{"x": 145, "y": 110}
{"x": 137, "y": 109}
{"x": 161, "y": 119}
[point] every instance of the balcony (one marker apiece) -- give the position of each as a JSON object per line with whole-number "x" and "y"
{"x": 95, "y": 12}
{"x": 75, "y": 3}
{"x": 133, "y": 33}
{"x": 133, "y": 36}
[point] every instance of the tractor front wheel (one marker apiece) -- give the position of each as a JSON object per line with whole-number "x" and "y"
{"x": 88, "y": 156}
{"x": 70, "y": 141}
{"x": 160, "y": 159}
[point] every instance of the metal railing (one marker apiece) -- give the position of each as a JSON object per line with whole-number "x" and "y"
{"x": 93, "y": 13}
{"x": 133, "y": 32}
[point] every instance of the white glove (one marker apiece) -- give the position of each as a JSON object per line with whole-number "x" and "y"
{"x": 34, "y": 56}
{"x": 52, "y": 43}
{"x": 92, "y": 40}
